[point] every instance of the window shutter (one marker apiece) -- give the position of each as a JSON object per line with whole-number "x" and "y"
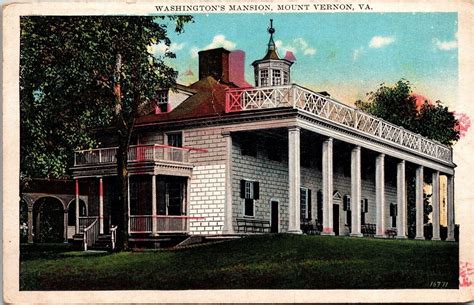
{"x": 366, "y": 205}
{"x": 391, "y": 209}
{"x": 256, "y": 190}
{"x": 309, "y": 204}
{"x": 348, "y": 203}
{"x": 344, "y": 201}
{"x": 242, "y": 188}
{"x": 395, "y": 210}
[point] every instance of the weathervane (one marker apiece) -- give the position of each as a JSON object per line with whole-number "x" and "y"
{"x": 271, "y": 30}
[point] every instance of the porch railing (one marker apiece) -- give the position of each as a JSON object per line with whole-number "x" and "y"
{"x": 113, "y": 236}
{"x": 91, "y": 234}
{"x": 136, "y": 153}
{"x": 331, "y": 110}
{"x": 164, "y": 223}
{"x": 85, "y": 221}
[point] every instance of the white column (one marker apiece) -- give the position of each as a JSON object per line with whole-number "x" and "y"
{"x": 77, "y": 206}
{"x": 154, "y": 219}
{"x": 327, "y": 187}
{"x": 355, "y": 191}
{"x": 101, "y": 206}
{"x": 294, "y": 180}
{"x": 419, "y": 203}
{"x": 228, "y": 227}
{"x": 401, "y": 201}
{"x": 435, "y": 198}
{"x": 65, "y": 224}
{"x": 30, "y": 224}
{"x": 380, "y": 195}
{"x": 450, "y": 212}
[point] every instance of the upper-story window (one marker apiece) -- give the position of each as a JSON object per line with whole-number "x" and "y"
{"x": 175, "y": 139}
{"x": 264, "y": 78}
{"x": 286, "y": 79}
{"x": 162, "y": 102}
{"x": 276, "y": 77}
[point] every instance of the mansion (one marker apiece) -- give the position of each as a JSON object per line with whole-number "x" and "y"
{"x": 222, "y": 158}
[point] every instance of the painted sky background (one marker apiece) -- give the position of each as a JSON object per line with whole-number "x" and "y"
{"x": 347, "y": 55}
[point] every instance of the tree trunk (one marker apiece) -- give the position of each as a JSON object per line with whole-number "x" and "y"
{"x": 122, "y": 206}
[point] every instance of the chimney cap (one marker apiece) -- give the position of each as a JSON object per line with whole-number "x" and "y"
{"x": 214, "y": 50}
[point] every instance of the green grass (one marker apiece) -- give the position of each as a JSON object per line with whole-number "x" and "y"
{"x": 260, "y": 262}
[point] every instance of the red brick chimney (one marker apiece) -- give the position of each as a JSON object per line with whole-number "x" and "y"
{"x": 215, "y": 63}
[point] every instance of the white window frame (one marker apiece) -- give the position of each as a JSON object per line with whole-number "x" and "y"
{"x": 346, "y": 214}
{"x": 249, "y": 184}
{"x": 306, "y": 191}
{"x": 276, "y": 80}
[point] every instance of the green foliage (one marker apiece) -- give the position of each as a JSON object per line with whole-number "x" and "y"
{"x": 67, "y": 82}
{"x": 397, "y": 105}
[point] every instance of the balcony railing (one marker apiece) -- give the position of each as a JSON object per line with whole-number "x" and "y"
{"x": 164, "y": 223}
{"x": 337, "y": 113}
{"x": 136, "y": 153}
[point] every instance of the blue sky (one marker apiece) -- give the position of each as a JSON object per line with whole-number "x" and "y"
{"x": 347, "y": 55}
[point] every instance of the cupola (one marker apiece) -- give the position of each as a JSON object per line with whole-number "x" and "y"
{"x": 271, "y": 70}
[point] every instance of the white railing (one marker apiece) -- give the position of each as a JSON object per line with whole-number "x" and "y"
{"x": 113, "y": 236}
{"x": 136, "y": 153}
{"x": 84, "y": 222}
{"x": 91, "y": 234}
{"x": 164, "y": 223}
{"x": 301, "y": 98}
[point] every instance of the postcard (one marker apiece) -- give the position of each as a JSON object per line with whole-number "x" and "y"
{"x": 211, "y": 151}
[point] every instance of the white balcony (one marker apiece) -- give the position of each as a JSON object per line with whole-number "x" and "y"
{"x": 136, "y": 153}
{"x": 337, "y": 113}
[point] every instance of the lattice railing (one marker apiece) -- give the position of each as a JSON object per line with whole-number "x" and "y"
{"x": 301, "y": 98}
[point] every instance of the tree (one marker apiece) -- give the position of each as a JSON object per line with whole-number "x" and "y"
{"x": 397, "y": 105}
{"x": 78, "y": 74}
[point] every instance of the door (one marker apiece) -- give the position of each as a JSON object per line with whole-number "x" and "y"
{"x": 275, "y": 217}
{"x": 174, "y": 192}
{"x": 335, "y": 217}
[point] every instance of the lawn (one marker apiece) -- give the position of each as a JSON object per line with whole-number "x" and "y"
{"x": 259, "y": 262}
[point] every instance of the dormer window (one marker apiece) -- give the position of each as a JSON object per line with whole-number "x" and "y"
{"x": 162, "y": 102}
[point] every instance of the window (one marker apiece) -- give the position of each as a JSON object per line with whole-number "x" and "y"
{"x": 347, "y": 208}
{"x": 393, "y": 214}
{"x": 249, "y": 192}
{"x": 264, "y": 78}
{"x": 286, "y": 79}
{"x": 162, "y": 103}
{"x": 276, "y": 77}
{"x": 364, "y": 208}
{"x": 305, "y": 203}
{"x": 175, "y": 139}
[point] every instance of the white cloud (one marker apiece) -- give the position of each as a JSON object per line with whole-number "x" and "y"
{"x": 356, "y": 53}
{"x": 283, "y": 47}
{"x": 298, "y": 44}
{"x": 161, "y": 48}
{"x": 381, "y": 41}
{"x": 446, "y": 45}
{"x": 219, "y": 41}
{"x": 194, "y": 52}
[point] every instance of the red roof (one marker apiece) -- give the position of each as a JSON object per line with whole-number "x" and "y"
{"x": 207, "y": 102}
